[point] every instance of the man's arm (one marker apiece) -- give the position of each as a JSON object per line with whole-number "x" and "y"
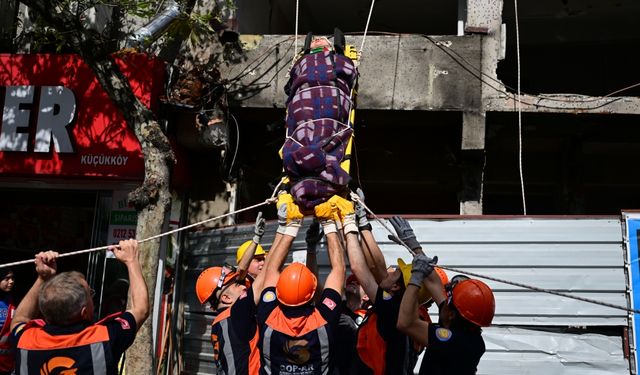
{"x": 127, "y": 253}
{"x": 247, "y": 257}
{"x": 271, "y": 272}
{"x": 335, "y": 279}
{"x": 28, "y": 309}
{"x": 359, "y": 266}
{"x": 373, "y": 254}
{"x": 408, "y": 319}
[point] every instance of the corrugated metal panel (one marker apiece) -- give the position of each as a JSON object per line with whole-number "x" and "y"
{"x": 582, "y": 256}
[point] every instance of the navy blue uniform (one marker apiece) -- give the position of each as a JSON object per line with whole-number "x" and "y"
{"x": 452, "y": 352}
{"x": 297, "y": 340}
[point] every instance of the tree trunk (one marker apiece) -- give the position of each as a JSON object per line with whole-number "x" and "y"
{"x": 152, "y": 198}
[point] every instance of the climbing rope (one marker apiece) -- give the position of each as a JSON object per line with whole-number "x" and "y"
{"x": 295, "y": 38}
{"x": 357, "y": 199}
{"x": 267, "y": 201}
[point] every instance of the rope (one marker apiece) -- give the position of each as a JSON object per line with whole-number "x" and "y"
{"x": 519, "y": 105}
{"x": 366, "y": 28}
{"x": 357, "y": 199}
{"x": 295, "y": 38}
{"x": 267, "y": 201}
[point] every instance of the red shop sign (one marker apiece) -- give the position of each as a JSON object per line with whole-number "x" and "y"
{"x": 58, "y": 121}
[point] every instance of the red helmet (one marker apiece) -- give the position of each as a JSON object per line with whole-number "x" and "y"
{"x": 296, "y": 285}
{"x": 211, "y": 280}
{"x": 474, "y": 301}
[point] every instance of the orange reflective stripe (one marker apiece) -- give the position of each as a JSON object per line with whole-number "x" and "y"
{"x": 223, "y": 315}
{"x": 254, "y": 356}
{"x": 295, "y": 327}
{"x": 372, "y": 349}
{"x": 37, "y": 339}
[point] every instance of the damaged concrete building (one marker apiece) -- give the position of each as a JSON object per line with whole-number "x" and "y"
{"x": 470, "y": 115}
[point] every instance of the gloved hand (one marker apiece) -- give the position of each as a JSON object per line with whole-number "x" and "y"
{"x": 361, "y": 212}
{"x": 349, "y": 224}
{"x": 289, "y": 215}
{"x": 405, "y": 233}
{"x": 314, "y": 235}
{"x": 327, "y": 214}
{"x": 421, "y": 267}
{"x": 258, "y": 229}
{"x": 343, "y": 206}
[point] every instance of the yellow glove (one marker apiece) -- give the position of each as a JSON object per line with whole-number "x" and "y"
{"x": 327, "y": 211}
{"x": 288, "y": 211}
{"x": 344, "y": 206}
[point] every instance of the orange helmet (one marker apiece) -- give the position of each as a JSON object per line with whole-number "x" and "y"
{"x": 474, "y": 301}
{"x": 211, "y": 280}
{"x": 296, "y": 285}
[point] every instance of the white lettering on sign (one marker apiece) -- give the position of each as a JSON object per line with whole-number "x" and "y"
{"x": 96, "y": 160}
{"x": 15, "y": 117}
{"x": 56, "y": 111}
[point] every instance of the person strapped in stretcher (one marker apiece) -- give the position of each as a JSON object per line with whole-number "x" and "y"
{"x": 320, "y": 100}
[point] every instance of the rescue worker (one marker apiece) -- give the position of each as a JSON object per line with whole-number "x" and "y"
{"x": 295, "y": 335}
{"x": 382, "y": 349}
{"x": 455, "y": 344}
{"x": 66, "y": 341}
{"x": 6, "y": 313}
{"x": 253, "y": 246}
{"x": 233, "y": 331}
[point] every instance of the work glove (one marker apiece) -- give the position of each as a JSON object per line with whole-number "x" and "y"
{"x": 405, "y": 233}
{"x": 314, "y": 235}
{"x": 349, "y": 224}
{"x": 344, "y": 206}
{"x": 421, "y": 267}
{"x": 361, "y": 212}
{"x": 327, "y": 214}
{"x": 258, "y": 229}
{"x": 289, "y": 215}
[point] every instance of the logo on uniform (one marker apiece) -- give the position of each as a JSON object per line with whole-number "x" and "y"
{"x": 297, "y": 351}
{"x": 269, "y": 297}
{"x": 123, "y": 323}
{"x": 329, "y": 303}
{"x": 443, "y": 334}
{"x": 386, "y": 296}
{"x": 59, "y": 365}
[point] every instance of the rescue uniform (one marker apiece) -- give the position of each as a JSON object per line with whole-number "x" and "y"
{"x": 346, "y": 334}
{"x": 6, "y": 351}
{"x": 452, "y": 352}
{"x": 234, "y": 335}
{"x": 44, "y": 349}
{"x": 382, "y": 348}
{"x": 297, "y": 340}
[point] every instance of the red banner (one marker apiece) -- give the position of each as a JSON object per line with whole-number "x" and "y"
{"x": 58, "y": 121}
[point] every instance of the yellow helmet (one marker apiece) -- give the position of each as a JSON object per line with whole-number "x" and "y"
{"x": 423, "y": 294}
{"x": 243, "y": 248}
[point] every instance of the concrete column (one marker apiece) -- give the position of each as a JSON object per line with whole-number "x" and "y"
{"x": 472, "y": 163}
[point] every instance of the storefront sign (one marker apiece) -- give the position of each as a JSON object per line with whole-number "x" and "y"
{"x": 123, "y": 219}
{"x": 57, "y": 119}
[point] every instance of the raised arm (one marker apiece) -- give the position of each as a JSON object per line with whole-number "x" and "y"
{"x": 127, "y": 253}
{"x": 335, "y": 279}
{"x": 290, "y": 220}
{"x": 372, "y": 253}
{"x": 27, "y": 310}
{"x": 408, "y": 319}
{"x": 247, "y": 257}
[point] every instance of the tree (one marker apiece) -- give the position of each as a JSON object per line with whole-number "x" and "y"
{"x": 62, "y": 25}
